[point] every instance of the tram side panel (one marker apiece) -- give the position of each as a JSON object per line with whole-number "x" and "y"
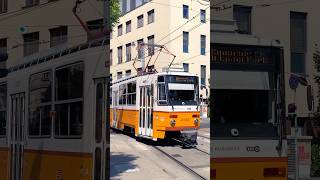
{"x": 56, "y": 157}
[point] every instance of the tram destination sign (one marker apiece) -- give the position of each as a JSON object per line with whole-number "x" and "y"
{"x": 243, "y": 57}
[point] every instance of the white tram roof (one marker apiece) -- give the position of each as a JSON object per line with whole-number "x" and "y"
{"x": 224, "y": 32}
{"x": 178, "y": 73}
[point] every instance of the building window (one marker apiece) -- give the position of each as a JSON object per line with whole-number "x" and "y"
{"x": 203, "y": 45}
{"x": 111, "y": 57}
{"x": 3, "y": 110}
{"x": 185, "y": 11}
{"x": 58, "y": 36}
{"x": 3, "y": 6}
{"x": 203, "y": 75}
{"x": 31, "y": 43}
{"x": 150, "y": 47}
{"x": 185, "y": 42}
{"x": 131, "y": 95}
{"x": 3, "y": 45}
{"x": 95, "y": 26}
{"x": 31, "y": 3}
{"x": 119, "y": 54}
{"x": 185, "y": 67}
{"x": 69, "y": 101}
{"x": 120, "y": 30}
{"x": 128, "y": 52}
{"x": 128, "y": 73}
{"x": 140, "y": 21}
{"x": 40, "y": 86}
{"x": 203, "y": 16}
{"x": 242, "y": 15}
{"x": 151, "y": 16}
{"x": 119, "y": 75}
{"x": 298, "y": 39}
{"x": 128, "y": 26}
{"x": 140, "y": 49}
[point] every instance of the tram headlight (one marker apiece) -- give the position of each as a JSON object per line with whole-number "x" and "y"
{"x": 196, "y": 121}
{"x": 172, "y": 122}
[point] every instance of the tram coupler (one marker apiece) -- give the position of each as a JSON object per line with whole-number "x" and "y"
{"x": 189, "y": 138}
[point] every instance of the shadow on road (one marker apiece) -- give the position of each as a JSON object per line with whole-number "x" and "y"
{"x": 121, "y": 163}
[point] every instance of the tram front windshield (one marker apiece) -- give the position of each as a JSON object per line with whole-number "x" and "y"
{"x": 240, "y": 106}
{"x": 182, "y": 90}
{"x": 182, "y": 97}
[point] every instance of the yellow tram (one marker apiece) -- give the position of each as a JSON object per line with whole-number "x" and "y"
{"x": 157, "y": 105}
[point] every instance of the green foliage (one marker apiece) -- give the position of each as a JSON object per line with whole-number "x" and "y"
{"x": 315, "y": 160}
{"x": 315, "y": 148}
{"x": 115, "y": 12}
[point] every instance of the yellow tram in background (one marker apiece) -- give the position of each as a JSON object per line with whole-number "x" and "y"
{"x": 157, "y": 105}
{"x": 53, "y": 118}
{"x": 247, "y": 109}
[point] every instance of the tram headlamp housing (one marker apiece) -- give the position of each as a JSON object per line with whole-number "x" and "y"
{"x": 172, "y": 122}
{"x": 196, "y": 121}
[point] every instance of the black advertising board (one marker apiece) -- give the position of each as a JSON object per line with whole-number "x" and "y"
{"x": 244, "y": 57}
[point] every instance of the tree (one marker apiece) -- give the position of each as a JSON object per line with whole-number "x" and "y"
{"x": 115, "y": 12}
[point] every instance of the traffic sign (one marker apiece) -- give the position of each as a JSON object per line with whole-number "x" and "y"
{"x": 293, "y": 82}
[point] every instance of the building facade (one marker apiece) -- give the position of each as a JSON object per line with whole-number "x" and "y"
{"x": 31, "y": 28}
{"x": 182, "y": 26}
{"x": 293, "y": 24}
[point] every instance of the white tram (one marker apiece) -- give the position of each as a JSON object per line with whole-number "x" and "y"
{"x": 54, "y": 121}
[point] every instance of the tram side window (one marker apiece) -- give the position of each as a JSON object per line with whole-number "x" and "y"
{"x": 3, "y": 109}
{"x": 69, "y": 101}
{"x": 131, "y": 100}
{"x": 40, "y": 104}
{"x": 162, "y": 98}
{"x": 123, "y": 94}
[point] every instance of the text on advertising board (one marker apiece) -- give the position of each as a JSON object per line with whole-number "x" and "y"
{"x": 244, "y": 57}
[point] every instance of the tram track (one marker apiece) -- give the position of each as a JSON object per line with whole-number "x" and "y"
{"x": 193, "y": 147}
{"x": 179, "y": 162}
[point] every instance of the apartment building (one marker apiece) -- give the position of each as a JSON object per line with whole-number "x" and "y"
{"x": 182, "y": 26}
{"x": 291, "y": 23}
{"x": 31, "y": 28}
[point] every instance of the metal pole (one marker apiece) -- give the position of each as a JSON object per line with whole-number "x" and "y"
{"x": 296, "y": 142}
{"x": 105, "y": 16}
{"x": 296, "y": 146}
{"x": 140, "y": 48}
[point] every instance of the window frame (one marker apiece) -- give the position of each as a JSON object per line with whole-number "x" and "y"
{"x": 27, "y": 43}
{"x": 140, "y": 21}
{"x": 5, "y": 112}
{"x": 247, "y": 11}
{"x": 151, "y": 16}
{"x": 62, "y": 38}
{"x": 133, "y": 94}
{"x": 185, "y": 47}
{"x": 128, "y": 26}
{"x": 203, "y": 16}
{"x": 120, "y": 30}
{"x": 41, "y": 105}
{"x": 4, "y": 6}
{"x": 120, "y": 55}
{"x": 185, "y": 11}
{"x": 69, "y": 101}
{"x": 203, "y": 42}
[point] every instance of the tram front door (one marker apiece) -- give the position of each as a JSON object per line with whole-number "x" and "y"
{"x": 17, "y": 135}
{"x": 146, "y": 111}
